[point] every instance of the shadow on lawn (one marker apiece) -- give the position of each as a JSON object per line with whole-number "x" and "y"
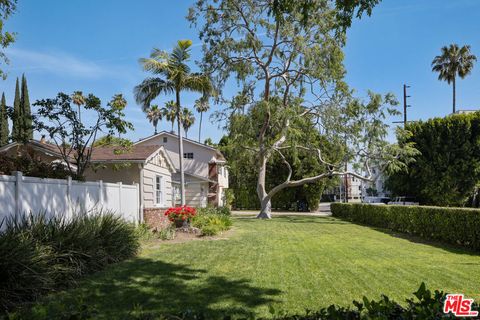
{"x": 157, "y": 287}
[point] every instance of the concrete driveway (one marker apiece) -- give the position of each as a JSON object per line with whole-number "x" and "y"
{"x": 323, "y": 211}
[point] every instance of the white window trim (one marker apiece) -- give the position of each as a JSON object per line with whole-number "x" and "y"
{"x": 162, "y": 191}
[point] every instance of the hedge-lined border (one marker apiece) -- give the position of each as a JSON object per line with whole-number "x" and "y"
{"x": 458, "y": 226}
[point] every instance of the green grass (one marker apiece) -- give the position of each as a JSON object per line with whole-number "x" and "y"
{"x": 291, "y": 263}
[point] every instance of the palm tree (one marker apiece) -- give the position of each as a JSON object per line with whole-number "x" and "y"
{"x": 201, "y": 105}
{"x": 154, "y": 114}
{"x": 79, "y": 100}
{"x": 172, "y": 76}
{"x": 452, "y": 62}
{"x": 188, "y": 119}
{"x": 170, "y": 112}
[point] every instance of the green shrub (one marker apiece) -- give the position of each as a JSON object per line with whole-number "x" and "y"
{"x": 212, "y": 221}
{"x": 167, "y": 233}
{"x": 458, "y": 226}
{"x": 41, "y": 254}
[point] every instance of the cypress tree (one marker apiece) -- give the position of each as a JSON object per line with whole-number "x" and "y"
{"x": 27, "y": 132}
{"x": 3, "y": 121}
{"x": 17, "y": 115}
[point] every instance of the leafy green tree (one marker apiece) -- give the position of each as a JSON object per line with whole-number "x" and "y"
{"x": 452, "y": 62}
{"x": 174, "y": 76}
{"x": 17, "y": 115}
{"x": 26, "y": 113}
{"x": 188, "y": 119}
{"x": 4, "y": 132}
{"x": 447, "y": 169}
{"x": 74, "y": 138}
{"x": 154, "y": 114}
{"x": 287, "y": 57}
{"x": 7, "y": 7}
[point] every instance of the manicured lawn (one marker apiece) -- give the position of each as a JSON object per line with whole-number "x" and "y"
{"x": 290, "y": 263}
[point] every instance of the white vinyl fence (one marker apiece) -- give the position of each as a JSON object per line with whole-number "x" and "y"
{"x": 22, "y": 195}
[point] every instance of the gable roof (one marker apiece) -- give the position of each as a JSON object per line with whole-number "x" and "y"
{"x": 135, "y": 153}
{"x": 220, "y": 157}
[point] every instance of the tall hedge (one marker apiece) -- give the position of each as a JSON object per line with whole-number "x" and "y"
{"x": 458, "y": 226}
{"x": 447, "y": 171}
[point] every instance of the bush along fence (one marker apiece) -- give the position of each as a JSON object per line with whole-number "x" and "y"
{"x": 20, "y": 195}
{"x": 458, "y": 226}
{"x": 41, "y": 254}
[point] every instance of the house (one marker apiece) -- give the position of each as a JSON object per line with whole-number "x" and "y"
{"x": 350, "y": 188}
{"x": 206, "y": 173}
{"x": 153, "y": 164}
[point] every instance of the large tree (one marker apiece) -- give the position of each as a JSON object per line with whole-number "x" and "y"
{"x": 4, "y": 132}
{"x": 74, "y": 138}
{"x": 287, "y": 57}
{"x": 26, "y": 113}
{"x": 154, "y": 114}
{"x": 451, "y": 62}
{"x": 201, "y": 105}
{"x": 173, "y": 76}
{"x": 17, "y": 115}
{"x": 7, "y": 7}
{"x": 188, "y": 119}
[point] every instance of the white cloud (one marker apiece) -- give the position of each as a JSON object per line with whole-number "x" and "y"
{"x": 58, "y": 63}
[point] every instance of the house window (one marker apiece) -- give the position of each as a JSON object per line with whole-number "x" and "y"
{"x": 188, "y": 155}
{"x": 165, "y": 139}
{"x": 158, "y": 190}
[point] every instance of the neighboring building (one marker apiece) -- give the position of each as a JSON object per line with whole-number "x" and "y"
{"x": 350, "y": 188}
{"x": 206, "y": 173}
{"x": 377, "y": 185}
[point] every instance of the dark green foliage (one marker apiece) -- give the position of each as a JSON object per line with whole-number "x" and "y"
{"x": 212, "y": 221}
{"x": 41, "y": 254}
{"x": 4, "y": 131}
{"x": 30, "y": 167}
{"x": 26, "y": 113}
{"x": 425, "y": 305}
{"x": 447, "y": 171}
{"x": 456, "y": 226}
{"x": 16, "y": 115}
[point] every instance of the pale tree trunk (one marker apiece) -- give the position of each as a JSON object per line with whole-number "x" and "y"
{"x": 454, "y": 98}
{"x": 266, "y": 207}
{"x": 180, "y": 152}
{"x": 200, "y": 128}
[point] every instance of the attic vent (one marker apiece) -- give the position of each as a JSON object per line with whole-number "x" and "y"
{"x": 165, "y": 139}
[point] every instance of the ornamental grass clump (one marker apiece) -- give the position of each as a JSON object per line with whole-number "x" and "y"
{"x": 41, "y": 254}
{"x": 181, "y": 216}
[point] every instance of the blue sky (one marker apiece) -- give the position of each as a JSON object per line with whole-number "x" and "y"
{"x": 94, "y": 46}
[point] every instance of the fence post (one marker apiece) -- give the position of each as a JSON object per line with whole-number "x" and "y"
{"x": 120, "y": 198}
{"x": 68, "y": 197}
{"x": 100, "y": 196}
{"x": 18, "y": 190}
{"x": 138, "y": 220}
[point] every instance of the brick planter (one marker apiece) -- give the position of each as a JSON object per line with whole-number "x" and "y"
{"x": 155, "y": 218}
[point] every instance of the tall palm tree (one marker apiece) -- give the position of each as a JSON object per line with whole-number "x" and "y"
{"x": 452, "y": 62}
{"x": 201, "y": 105}
{"x": 172, "y": 76}
{"x": 188, "y": 119}
{"x": 170, "y": 112}
{"x": 79, "y": 100}
{"x": 154, "y": 115}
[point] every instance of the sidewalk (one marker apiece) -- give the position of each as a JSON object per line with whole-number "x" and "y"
{"x": 323, "y": 211}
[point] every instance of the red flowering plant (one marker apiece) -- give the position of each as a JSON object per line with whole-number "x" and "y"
{"x": 180, "y": 215}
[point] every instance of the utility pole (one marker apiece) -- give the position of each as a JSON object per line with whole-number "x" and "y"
{"x": 405, "y": 106}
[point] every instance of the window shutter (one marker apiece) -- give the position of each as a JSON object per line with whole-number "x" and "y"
{"x": 164, "y": 191}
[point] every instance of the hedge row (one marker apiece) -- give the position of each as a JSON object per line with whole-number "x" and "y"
{"x": 456, "y": 226}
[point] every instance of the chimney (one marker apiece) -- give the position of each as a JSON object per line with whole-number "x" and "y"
{"x": 43, "y": 140}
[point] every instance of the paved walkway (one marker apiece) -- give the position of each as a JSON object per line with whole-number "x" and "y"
{"x": 323, "y": 211}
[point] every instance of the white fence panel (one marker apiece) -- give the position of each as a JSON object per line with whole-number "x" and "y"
{"x": 21, "y": 195}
